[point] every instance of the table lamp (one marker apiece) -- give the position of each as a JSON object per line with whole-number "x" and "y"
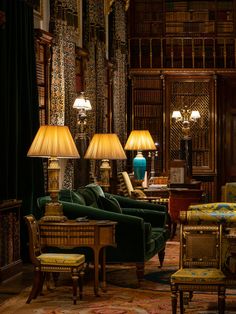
{"x": 140, "y": 140}
{"x": 105, "y": 147}
{"x": 53, "y": 142}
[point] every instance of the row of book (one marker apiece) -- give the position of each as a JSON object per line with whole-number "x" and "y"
{"x": 141, "y": 82}
{"x": 148, "y": 96}
{"x": 144, "y": 110}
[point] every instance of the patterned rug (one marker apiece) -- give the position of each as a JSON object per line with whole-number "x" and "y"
{"x": 122, "y": 296}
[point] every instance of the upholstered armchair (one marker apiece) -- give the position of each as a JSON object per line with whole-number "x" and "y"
{"x": 214, "y": 214}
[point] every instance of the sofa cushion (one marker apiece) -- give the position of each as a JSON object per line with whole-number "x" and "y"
{"x": 109, "y": 204}
{"x": 65, "y": 195}
{"x": 89, "y": 196}
{"x": 78, "y": 198}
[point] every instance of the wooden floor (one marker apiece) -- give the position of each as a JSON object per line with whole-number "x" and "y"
{"x": 17, "y": 283}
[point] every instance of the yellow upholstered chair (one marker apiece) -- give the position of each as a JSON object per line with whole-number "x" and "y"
{"x": 51, "y": 263}
{"x": 126, "y": 185}
{"x": 228, "y": 192}
{"x": 128, "y": 190}
{"x": 200, "y": 264}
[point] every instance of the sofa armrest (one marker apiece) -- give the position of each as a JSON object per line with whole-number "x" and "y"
{"x": 156, "y": 218}
{"x": 126, "y": 202}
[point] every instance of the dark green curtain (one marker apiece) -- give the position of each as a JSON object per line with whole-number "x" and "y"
{"x": 21, "y": 176}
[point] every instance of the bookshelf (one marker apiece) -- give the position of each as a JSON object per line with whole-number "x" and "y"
{"x": 10, "y": 259}
{"x": 191, "y": 34}
{"x": 147, "y": 111}
{"x": 43, "y": 55}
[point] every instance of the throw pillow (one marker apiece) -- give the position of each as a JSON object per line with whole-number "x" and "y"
{"x": 97, "y": 190}
{"x": 110, "y": 204}
{"x": 89, "y": 196}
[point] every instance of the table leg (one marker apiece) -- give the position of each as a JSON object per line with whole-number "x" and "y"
{"x": 103, "y": 268}
{"x": 96, "y": 271}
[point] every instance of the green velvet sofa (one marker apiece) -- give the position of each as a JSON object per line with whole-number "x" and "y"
{"x": 141, "y": 230}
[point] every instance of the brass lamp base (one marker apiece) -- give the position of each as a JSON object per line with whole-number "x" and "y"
{"x": 53, "y": 212}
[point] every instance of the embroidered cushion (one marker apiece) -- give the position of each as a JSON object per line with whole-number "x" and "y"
{"x": 198, "y": 274}
{"x": 59, "y": 259}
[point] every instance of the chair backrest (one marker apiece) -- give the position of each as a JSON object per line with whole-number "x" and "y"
{"x": 200, "y": 246}
{"x": 228, "y": 192}
{"x": 210, "y": 213}
{"x": 34, "y": 238}
{"x": 125, "y": 183}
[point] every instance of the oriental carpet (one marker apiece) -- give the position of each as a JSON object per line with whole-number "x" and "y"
{"x": 123, "y": 295}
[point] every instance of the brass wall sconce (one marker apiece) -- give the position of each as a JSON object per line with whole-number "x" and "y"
{"x": 186, "y": 116}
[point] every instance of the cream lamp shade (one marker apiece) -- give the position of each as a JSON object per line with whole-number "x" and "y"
{"x": 53, "y": 142}
{"x": 140, "y": 140}
{"x": 105, "y": 147}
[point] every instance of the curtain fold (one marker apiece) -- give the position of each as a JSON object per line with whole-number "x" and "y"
{"x": 21, "y": 176}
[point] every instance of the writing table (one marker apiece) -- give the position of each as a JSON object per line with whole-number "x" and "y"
{"x": 95, "y": 234}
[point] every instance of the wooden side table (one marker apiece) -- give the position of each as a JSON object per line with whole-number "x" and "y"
{"x": 95, "y": 234}
{"x": 180, "y": 200}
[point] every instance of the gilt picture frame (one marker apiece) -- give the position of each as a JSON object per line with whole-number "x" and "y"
{"x": 38, "y": 8}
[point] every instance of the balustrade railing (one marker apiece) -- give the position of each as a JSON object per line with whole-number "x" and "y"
{"x": 182, "y": 52}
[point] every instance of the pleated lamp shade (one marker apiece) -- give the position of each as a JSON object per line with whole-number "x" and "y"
{"x": 53, "y": 141}
{"x": 140, "y": 140}
{"x": 105, "y": 146}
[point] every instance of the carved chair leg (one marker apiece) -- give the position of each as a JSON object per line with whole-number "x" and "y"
{"x": 75, "y": 277}
{"x": 174, "y": 298}
{"x": 181, "y": 302}
{"x": 35, "y": 286}
{"x": 81, "y": 279}
{"x": 221, "y": 300}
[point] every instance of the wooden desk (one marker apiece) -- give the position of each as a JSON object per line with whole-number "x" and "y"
{"x": 95, "y": 234}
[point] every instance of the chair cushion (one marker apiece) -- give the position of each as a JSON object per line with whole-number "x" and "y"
{"x": 60, "y": 259}
{"x": 109, "y": 204}
{"x": 198, "y": 275}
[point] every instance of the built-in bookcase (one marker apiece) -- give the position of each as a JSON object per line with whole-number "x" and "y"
{"x": 147, "y": 111}
{"x": 43, "y": 56}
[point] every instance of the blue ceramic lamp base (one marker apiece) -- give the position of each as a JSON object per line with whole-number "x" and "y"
{"x": 139, "y": 166}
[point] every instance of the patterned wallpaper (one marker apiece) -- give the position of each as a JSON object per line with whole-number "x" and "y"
{"x": 63, "y": 25}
